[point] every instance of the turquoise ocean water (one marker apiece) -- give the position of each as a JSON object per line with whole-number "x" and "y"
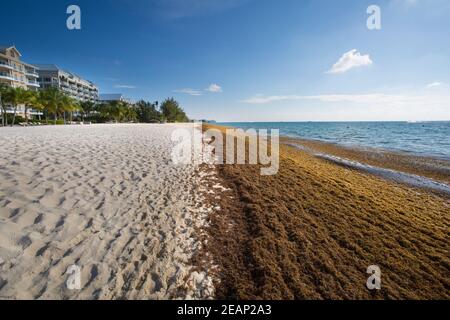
{"x": 419, "y": 138}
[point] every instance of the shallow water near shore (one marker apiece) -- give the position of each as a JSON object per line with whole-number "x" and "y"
{"x": 398, "y": 176}
{"x": 419, "y": 138}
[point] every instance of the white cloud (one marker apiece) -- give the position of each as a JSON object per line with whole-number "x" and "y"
{"x": 372, "y": 98}
{"x": 189, "y": 91}
{"x": 323, "y": 98}
{"x": 356, "y": 107}
{"x": 434, "y": 84}
{"x": 214, "y": 88}
{"x": 264, "y": 100}
{"x": 124, "y": 86}
{"x": 350, "y": 60}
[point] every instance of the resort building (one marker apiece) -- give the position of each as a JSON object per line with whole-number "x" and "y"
{"x": 51, "y": 76}
{"x": 110, "y": 97}
{"x": 14, "y": 72}
{"x": 17, "y": 74}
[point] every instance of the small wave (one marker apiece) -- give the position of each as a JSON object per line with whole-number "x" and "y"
{"x": 398, "y": 176}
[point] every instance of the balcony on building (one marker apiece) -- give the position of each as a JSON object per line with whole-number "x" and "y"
{"x": 32, "y": 83}
{"x": 4, "y": 64}
{"x": 31, "y": 72}
{"x": 7, "y": 76}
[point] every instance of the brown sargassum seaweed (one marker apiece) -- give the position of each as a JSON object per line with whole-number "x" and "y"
{"x": 311, "y": 231}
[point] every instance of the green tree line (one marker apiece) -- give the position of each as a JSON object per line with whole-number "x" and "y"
{"x": 58, "y": 108}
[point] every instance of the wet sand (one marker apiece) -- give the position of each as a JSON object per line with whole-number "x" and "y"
{"x": 311, "y": 231}
{"x": 416, "y": 171}
{"x": 434, "y": 168}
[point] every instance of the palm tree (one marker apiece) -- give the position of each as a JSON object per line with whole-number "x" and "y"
{"x": 104, "y": 110}
{"x": 63, "y": 106}
{"x": 70, "y": 105}
{"x": 30, "y": 99}
{"x": 87, "y": 107}
{"x": 172, "y": 111}
{"x": 51, "y": 100}
{"x": 129, "y": 113}
{"x": 3, "y": 89}
{"x": 15, "y": 97}
{"x": 38, "y": 102}
{"x": 114, "y": 110}
{"x": 66, "y": 104}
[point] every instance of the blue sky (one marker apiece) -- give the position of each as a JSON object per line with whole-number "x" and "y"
{"x": 251, "y": 60}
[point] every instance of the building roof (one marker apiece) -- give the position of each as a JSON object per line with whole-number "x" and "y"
{"x": 47, "y": 67}
{"x": 3, "y": 48}
{"x": 54, "y": 67}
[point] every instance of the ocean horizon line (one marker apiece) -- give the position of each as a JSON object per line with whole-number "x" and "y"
{"x": 341, "y": 121}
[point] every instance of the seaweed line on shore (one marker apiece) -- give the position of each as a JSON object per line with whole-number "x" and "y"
{"x": 394, "y": 175}
{"x": 311, "y": 231}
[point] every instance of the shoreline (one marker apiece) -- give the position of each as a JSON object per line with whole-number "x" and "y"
{"x": 360, "y": 145}
{"x": 428, "y": 166}
{"x": 311, "y": 231}
{"x": 426, "y": 172}
{"x": 109, "y": 199}
{"x": 421, "y": 172}
{"x": 365, "y": 148}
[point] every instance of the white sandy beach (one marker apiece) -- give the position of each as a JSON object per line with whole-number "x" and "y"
{"x": 106, "y": 198}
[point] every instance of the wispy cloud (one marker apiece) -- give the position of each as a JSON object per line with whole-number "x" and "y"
{"x": 359, "y": 107}
{"x": 124, "y": 86}
{"x": 434, "y": 84}
{"x": 189, "y": 91}
{"x": 215, "y": 88}
{"x": 350, "y": 60}
{"x": 377, "y": 98}
{"x": 323, "y": 98}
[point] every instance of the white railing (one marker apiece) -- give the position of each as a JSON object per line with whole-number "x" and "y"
{"x": 32, "y": 73}
{"x": 7, "y": 76}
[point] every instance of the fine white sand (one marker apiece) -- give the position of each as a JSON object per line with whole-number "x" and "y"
{"x": 106, "y": 198}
